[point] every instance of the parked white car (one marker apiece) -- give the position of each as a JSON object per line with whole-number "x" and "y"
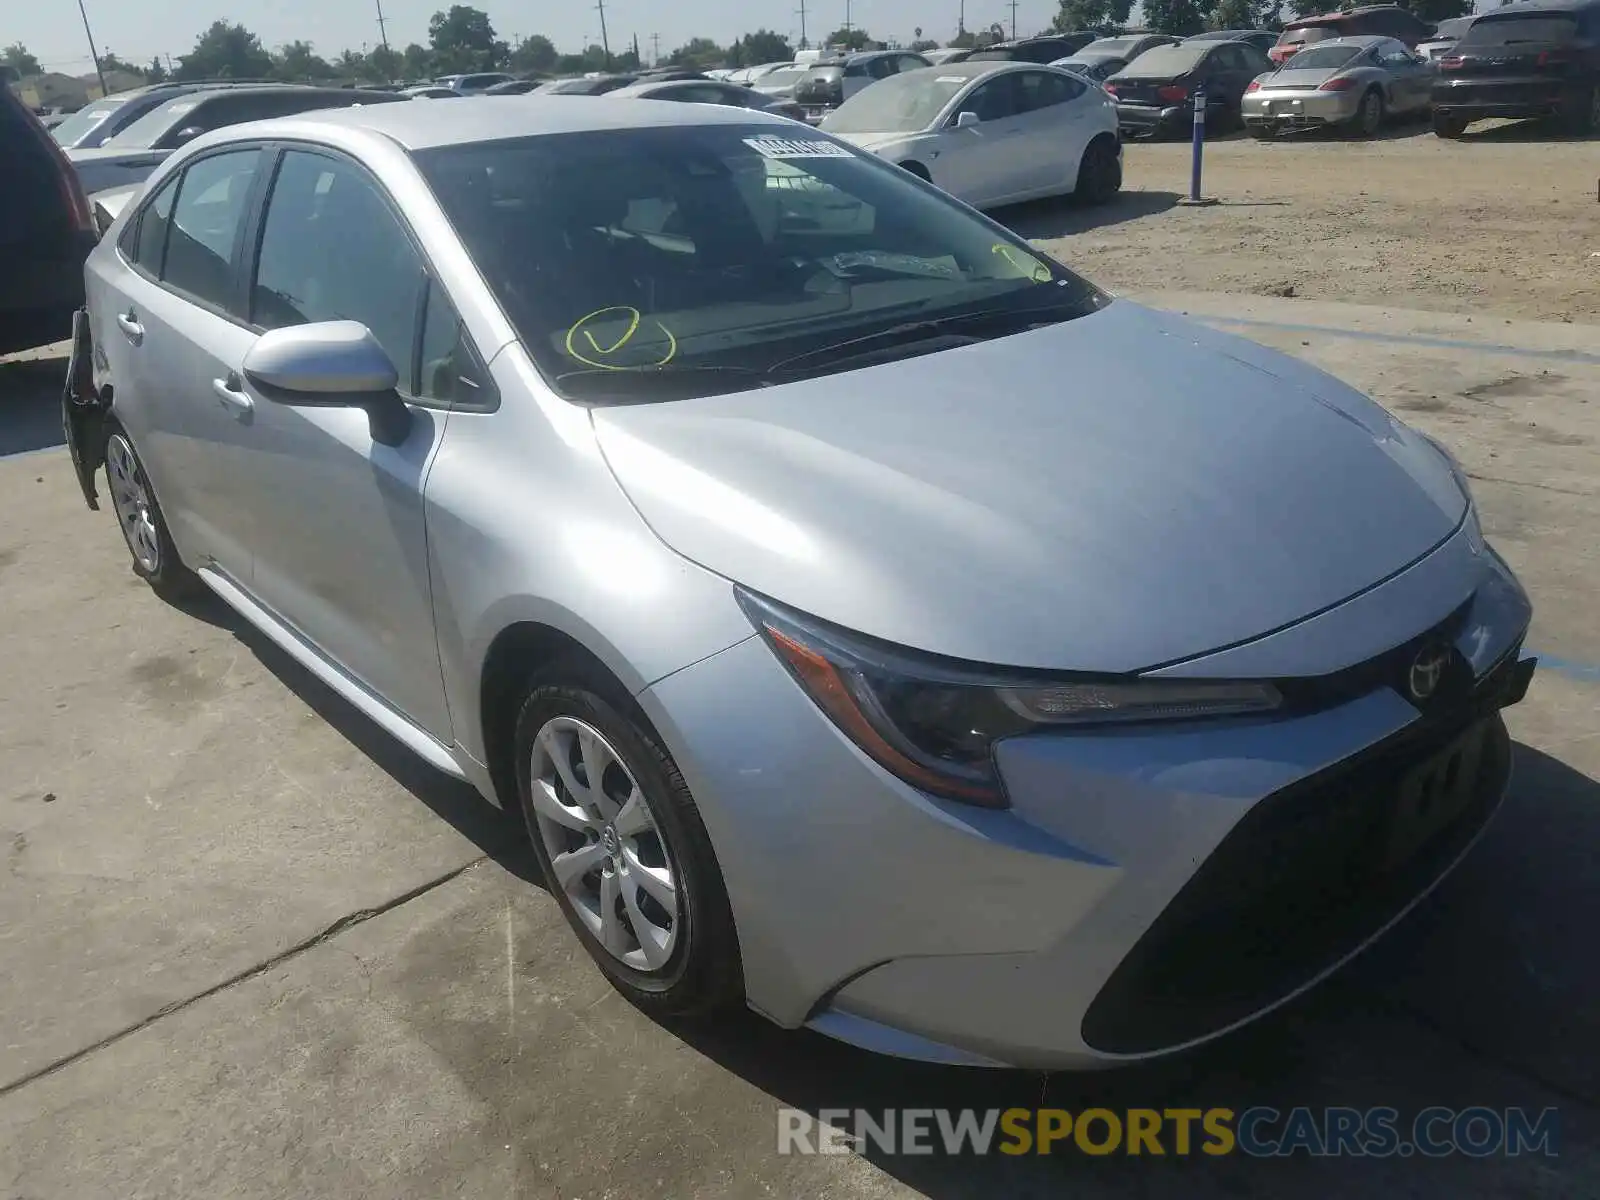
{"x": 991, "y": 133}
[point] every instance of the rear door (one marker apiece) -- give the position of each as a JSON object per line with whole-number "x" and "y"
{"x": 166, "y": 313}
{"x": 1410, "y": 75}
{"x": 1055, "y": 132}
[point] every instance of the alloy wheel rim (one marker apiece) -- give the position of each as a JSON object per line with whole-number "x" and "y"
{"x": 606, "y": 850}
{"x": 131, "y": 501}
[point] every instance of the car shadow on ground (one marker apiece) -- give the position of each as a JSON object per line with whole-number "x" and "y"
{"x": 30, "y": 404}
{"x": 1396, "y": 130}
{"x": 1061, "y": 218}
{"x": 1533, "y": 129}
{"x": 498, "y": 834}
{"x": 1444, "y": 1011}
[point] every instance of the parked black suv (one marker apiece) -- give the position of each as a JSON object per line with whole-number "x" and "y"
{"x": 45, "y": 232}
{"x": 1043, "y": 49}
{"x": 1523, "y": 60}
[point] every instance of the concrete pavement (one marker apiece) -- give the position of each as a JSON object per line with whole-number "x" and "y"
{"x": 252, "y": 949}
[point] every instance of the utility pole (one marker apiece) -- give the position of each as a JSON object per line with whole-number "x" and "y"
{"x": 638, "y": 59}
{"x": 847, "y": 16}
{"x": 803, "y": 44}
{"x": 383, "y": 25}
{"x": 84, "y": 13}
{"x": 961, "y": 18}
{"x": 1013, "y": 20}
{"x": 605, "y": 42}
{"x": 655, "y": 49}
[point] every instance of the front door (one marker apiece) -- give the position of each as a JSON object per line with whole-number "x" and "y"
{"x": 342, "y": 553}
{"x": 978, "y": 164}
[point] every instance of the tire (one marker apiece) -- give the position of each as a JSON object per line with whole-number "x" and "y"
{"x": 1100, "y": 172}
{"x": 1448, "y": 125}
{"x": 1263, "y": 133}
{"x": 1584, "y": 116}
{"x": 144, "y": 526}
{"x": 576, "y": 714}
{"x": 917, "y": 169}
{"x": 1369, "y": 116}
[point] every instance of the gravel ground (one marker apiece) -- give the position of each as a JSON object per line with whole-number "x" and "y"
{"x": 1505, "y": 220}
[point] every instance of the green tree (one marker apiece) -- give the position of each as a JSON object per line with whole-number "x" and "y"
{"x": 156, "y": 72}
{"x": 297, "y": 61}
{"x": 225, "y": 52}
{"x": 1438, "y": 10}
{"x": 762, "y": 46}
{"x": 535, "y": 55}
{"x": 110, "y": 62}
{"x": 697, "y": 53}
{"x": 351, "y": 64}
{"x": 18, "y": 57}
{"x": 1178, "y": 17}
{"x": 1091, "y": 14}
{"x": 1247, "y": 14}
{"x": 965, "y": 40}
{"x": 922, "y": 44}
{"x": 849, "y": 39}
{"x": 416, "y": 62}
{"x": 463, "y": 40}
{"x": 384, "y": 65}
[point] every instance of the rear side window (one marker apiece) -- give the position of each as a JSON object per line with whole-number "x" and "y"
{"x": 1041, "y": 89}
{"x": 144, "y": 242}
{"x": 333, "y": 250}
{"x": 206, "y": 218}
{"x": 1307, "y": 35}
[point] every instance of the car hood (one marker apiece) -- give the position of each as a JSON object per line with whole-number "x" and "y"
{"x": 874, "y": 142}
{"x": 1109, "y": 494}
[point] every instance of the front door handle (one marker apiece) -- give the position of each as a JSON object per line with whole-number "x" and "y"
{"x": 231, "y": 392}
{"x": 128, "y": 322}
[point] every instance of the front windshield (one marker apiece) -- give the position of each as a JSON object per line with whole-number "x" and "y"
{"x": 898, "y": 104}
{"x": 153, "y": 126}
{"x": 782, "y": 77}
{"x": 1166, "y": 61}
{"x": 80, "y": 123}
{"x": 665, "y": 262}
{"x": 1322, "y": 58}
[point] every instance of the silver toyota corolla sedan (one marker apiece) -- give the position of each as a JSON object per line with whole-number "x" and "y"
{"x": 875, "y": 623}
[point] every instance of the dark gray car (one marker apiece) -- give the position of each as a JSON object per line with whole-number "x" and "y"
{"x": 101, "y": 119}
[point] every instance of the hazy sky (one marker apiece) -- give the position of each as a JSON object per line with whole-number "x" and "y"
{"x": 138, "y": 29}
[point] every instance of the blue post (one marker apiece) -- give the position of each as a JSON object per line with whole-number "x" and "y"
{"x": 1199, "y": 143}
{"x": 1194, "y": 197}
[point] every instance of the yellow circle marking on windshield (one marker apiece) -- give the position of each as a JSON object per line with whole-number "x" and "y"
{"x": 1039, "y": 272}
{"x": 635, "y": 317}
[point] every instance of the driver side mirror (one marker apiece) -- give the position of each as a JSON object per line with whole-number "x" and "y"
{"x": 967, "y": 119}
{"x": 331, "y": 364}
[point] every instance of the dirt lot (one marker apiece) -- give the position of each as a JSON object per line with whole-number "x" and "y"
{"x": 1503, "y": 221}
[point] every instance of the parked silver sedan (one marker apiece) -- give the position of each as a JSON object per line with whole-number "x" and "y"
{"x": 872, "y": 621}
{"x": 1353, "y": 82}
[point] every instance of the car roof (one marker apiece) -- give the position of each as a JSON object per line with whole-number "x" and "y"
{"x": 1355, "y": 40}
{"x": 497, "y": 118}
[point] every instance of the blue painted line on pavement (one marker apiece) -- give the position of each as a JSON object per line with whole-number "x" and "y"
{"x": 1588, "y": 672}
{"x": 1410, "y": 339}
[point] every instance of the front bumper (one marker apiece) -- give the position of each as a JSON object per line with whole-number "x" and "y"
{"x": 1520, "y": 96}
{"x": 1061, "y": 933}
{"x": 1301, "y": 108}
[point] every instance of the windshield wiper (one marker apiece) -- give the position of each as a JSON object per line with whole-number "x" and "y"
{"x": 956, "y": 329}
{"x": 657, "y": 383}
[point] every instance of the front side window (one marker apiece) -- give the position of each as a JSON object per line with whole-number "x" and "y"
{"x": 333, "y": 250}
{"x": 450, "y": 371}
{"x": 658, "y": 263}
{"x": 210, "y": 208}
{"x": 155, "y": 125}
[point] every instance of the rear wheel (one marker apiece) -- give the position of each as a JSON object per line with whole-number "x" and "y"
{"x": 144, "y": 528}
{"x": 1448, "y": 125}
{"x": 1584, "y": 114}
{"x": 622, "y": 845}
{"x": 1369, "y": 117}
{"x": 917, "y": 169}
{"x": 1100, "y": 172}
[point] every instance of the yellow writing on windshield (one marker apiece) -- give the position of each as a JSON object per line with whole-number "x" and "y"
{"x": 600, "y": 352}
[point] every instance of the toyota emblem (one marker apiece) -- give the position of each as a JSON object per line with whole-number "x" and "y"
{"x": 1427, "y": 669}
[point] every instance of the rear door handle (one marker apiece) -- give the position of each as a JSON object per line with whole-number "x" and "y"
{"x": 231, "y": 392}
{"x": 128, "y": 322}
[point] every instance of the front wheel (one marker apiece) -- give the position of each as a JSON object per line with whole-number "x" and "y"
{"x": 1100, "y": 172}
{"x": 144, "y": 527}
{"x": 621, "y": 843}
{"x": 1448, "y": 125}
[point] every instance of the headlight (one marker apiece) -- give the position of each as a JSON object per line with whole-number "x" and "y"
{"x": 934, "y": 722}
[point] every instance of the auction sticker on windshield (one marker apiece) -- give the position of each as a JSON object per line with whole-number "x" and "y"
{"x": 777, "y": 147}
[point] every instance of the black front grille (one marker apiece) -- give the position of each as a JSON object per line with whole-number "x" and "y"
{"x": 1298, "y": 884}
